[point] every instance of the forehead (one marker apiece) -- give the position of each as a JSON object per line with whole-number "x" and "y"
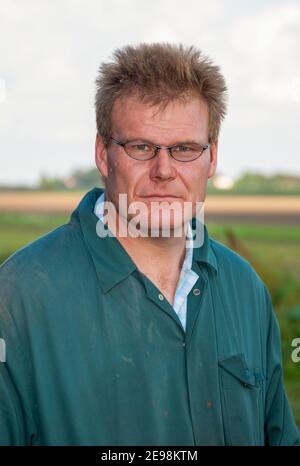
{"x": 132, "y": 118}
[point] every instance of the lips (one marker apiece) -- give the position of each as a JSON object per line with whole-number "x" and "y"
{"x": 160, "y": 196}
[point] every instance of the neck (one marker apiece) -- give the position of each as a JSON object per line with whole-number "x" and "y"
{"x": 170, "y": 252}
{"x": 155, "y": 256}
{"x": 159, "y": 258}
{"x": 148, "y": 250}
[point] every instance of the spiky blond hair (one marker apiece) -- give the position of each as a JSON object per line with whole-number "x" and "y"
{"x": 159, "y": 73}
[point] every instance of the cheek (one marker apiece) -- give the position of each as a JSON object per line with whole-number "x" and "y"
{"x": 197, "y": 177}
{"x": 123, "y": 175}
{"x": 112, "y": 165}
{"x": 116, "y": 170}
{"x": 196, "y": 181}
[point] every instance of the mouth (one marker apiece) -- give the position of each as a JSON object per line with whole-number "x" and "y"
{"x": 160, "y": 197}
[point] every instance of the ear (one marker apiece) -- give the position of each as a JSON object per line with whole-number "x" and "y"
{"x": 101, "y": 156}
{"x": 213, "y": 159}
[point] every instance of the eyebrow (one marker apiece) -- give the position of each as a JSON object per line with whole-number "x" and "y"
{"x": 169, "y": 145}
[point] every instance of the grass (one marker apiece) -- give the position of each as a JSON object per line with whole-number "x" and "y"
{"x": 31, "y": 221}
{"x": 274, "y": 251}
{"x": 16, "y": 230}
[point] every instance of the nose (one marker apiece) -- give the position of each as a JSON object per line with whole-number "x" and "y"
{"x": 162, "y": 167}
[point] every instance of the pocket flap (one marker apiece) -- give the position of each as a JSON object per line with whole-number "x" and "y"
{"x": 236, "y": 366}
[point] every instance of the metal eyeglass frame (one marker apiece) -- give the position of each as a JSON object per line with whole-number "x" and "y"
{"x": 158, "y": 147}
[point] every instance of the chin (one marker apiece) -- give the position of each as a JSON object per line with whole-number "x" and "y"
{"x": 165, "y": 228}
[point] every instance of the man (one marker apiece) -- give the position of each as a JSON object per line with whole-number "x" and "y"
{"x": 136, "y": 339}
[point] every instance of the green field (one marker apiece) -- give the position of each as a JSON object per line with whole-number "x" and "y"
{"x": 273, "y": 250}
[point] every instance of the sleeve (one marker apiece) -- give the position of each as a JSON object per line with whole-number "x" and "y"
{"x": 12, "y": 429}
{"x": 280, "y": 427}
{"x": 17, "y": 425}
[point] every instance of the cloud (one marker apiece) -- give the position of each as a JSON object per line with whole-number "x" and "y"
{"x": 50, "y": 52}
{"x": 267, "y": 45}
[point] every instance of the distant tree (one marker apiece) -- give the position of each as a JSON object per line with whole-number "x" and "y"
{"x": 86, "y": 179}
{"x": 257, "y": 183}
{"x": 250, "y": 183}
{"x": 78, "y": 180}
{"x": 51, "y": 184}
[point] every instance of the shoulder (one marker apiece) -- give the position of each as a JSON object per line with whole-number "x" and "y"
{"x": 242, "y": 295}
{"x": 237, "y": 279}
{"x": 48, "y": 256}
{"x": 233, "y": 264}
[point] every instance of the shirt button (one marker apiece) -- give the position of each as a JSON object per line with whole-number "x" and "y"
{"x": 183, "y": 344}
{"x": 196, "y": 291}
{"x": 160, "y": 297}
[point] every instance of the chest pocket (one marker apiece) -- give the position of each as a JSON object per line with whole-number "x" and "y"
{"x": 241, "y": 398}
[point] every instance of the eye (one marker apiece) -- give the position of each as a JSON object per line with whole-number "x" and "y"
{"x": 182, "y": 148}
{"x": 140, "y": 147}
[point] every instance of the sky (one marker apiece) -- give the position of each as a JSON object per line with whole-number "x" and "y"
{"x": 50, "y": 51}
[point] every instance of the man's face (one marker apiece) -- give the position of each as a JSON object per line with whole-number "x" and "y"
{"x": 152, "y": 180}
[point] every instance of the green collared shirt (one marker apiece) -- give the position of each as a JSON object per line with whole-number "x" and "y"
{"x": 94, "y": 356}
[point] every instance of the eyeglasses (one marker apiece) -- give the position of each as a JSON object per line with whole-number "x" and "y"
{"x": 141, "y": 150}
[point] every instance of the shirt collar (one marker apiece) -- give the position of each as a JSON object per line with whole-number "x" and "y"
{"x": 188, "y": 260}
{"x": 111, "y": 261}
